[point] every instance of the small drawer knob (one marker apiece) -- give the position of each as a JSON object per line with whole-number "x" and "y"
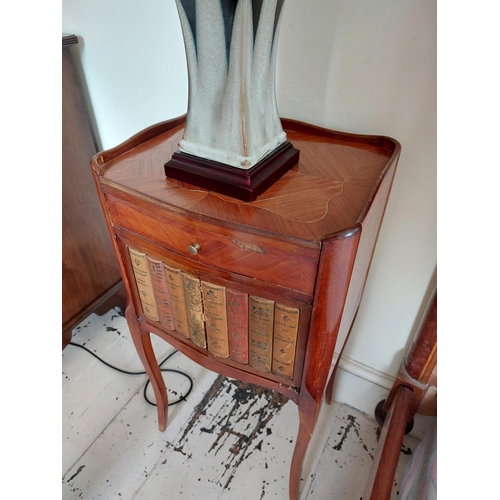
{"x": 193, "y": 249}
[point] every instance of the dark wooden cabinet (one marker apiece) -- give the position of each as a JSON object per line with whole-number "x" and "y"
{"x": 91, "y": 279}
{"x": 305, "y": 243}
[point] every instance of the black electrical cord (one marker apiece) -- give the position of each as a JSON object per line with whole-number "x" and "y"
{"x": 182, "y": 398}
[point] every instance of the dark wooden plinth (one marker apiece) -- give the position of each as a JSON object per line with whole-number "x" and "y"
{"x": 245, "y": 185}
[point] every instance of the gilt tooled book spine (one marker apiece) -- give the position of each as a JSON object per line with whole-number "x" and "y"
{"x": 214, "y": 306}
{"x": 177, "y": 300}
{"x": 194, "y": 307}
{"x": 237, "y": 325}
{"x": 286, "y": 323}
{"x": 144, "y": 284}
{"x": 160, "y": 289}
{"x": 260, "y": 333}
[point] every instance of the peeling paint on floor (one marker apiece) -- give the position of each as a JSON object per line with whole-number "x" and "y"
{"x": 228, "y": 440}
{"x": 76, "y": 473}
{"x": 238, "y": 428}
{"x": 352, "y": 424}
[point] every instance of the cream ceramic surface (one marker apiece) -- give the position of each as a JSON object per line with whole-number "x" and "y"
{"x": 232, "y": 113}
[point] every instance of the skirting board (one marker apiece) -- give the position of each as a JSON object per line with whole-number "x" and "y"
{"x": 362, "y": 387}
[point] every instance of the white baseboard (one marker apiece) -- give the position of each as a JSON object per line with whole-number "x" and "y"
{"x": 362, "y": 387}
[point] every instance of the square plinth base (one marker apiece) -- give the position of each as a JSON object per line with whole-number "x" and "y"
{"x": 245, "y": 185}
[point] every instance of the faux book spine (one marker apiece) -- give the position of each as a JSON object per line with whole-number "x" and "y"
{"x": 177, "y": 300}
{"x": 214, "y": 305}
{"x": 160, "y": 289}
{"x": 260, "y": 333}
{"x": 286, "y": 322}
{"x": 237, "y": 325}
{"x": 194, "y": 307}
{"x": 144, "y": 284}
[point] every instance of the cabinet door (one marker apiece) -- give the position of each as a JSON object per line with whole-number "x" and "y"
{"x": 235, "y": 320}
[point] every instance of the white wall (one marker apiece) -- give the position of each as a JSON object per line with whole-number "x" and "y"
{"x": 133, "y": 62}
{"x": 370, "y": 67}
{"x": 359, "y": 66}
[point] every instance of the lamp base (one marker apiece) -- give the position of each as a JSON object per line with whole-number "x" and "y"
{"x": 245, "y": 185}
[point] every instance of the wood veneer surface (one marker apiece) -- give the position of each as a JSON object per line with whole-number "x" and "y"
{"x": 330, "y": 189}
{"x": 89, "y": 267}
{"x": 314, "y": 215}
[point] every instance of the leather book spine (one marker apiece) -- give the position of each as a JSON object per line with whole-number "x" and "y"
{"x": 286, "y": 323}
{"x": 214, "y": 306}
{"x": 144, "y": 284}
{"x": 177, "y": 300}
{"x": 237, "y": 325}
{"x": 194, "y": 307}
{"x": 260, "y": 333}
{"x": 160, "y": 289}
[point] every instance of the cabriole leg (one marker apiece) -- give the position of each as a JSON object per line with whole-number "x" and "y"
{"x": 308, "y": 414}
{"x": 142, "y": 342}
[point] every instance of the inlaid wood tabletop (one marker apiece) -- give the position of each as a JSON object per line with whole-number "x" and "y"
{"x": 329, "y": 190}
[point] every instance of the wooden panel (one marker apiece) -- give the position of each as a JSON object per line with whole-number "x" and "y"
{"x": 421, "y": 361}
{"x": 403, "y": 401}
{"x": 89, "y": 268}
{"x": 336, "y": 265}
{"x": 244, "y": 253}
{"x": 381, "y": 478}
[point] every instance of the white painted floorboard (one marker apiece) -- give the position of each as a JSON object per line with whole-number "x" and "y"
{"x": 228, "y": 440}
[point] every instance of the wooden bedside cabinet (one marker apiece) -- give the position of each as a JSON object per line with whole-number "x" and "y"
{"x": 264, "y": 292}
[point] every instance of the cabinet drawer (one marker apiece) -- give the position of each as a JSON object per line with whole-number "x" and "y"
{"x": 279, "y": 262}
